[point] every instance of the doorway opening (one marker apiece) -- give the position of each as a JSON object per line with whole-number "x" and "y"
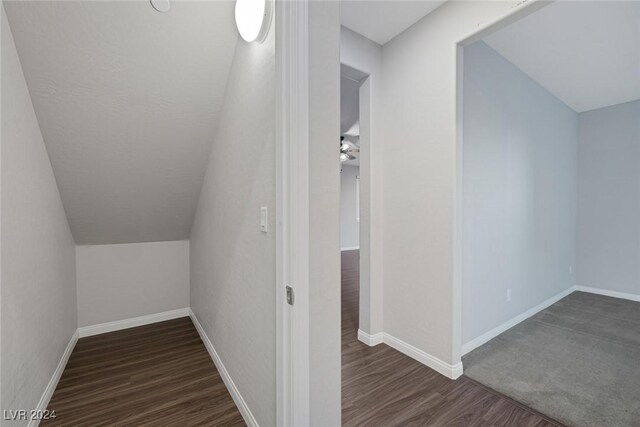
{"x": 542, "y": 206}
{"x": 350, "y": 160}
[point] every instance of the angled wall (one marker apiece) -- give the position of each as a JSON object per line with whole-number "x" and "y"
{"x": 38, "y": 293}
{"x": 232, "y": 261}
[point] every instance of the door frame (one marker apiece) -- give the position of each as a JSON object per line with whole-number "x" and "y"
{"x": 369, "y": 302}
{"x": 292, "y": 212}
{"x": 516, "y": 13}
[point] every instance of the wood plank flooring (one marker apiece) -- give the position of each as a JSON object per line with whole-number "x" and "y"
{"x": 162, "y": 375}
{"x": 153, "y": 375}
{"x": 383, "y": 387}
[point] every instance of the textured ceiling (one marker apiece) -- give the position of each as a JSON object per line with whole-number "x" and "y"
{"x": 127, "y": 100}
{"x": 585, "y": 53}
{"x": 382, "y": 20}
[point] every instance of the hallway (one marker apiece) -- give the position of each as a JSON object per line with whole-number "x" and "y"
{"x": 381, "y": 386}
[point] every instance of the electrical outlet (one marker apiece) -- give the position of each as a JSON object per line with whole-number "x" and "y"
{"x": 571, "y": 269}
{"x": 508, "y": 295}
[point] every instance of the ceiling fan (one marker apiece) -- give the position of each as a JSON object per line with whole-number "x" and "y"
{"x": 349, "y": 148}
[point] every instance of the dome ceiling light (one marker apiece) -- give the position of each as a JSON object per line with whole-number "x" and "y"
{"x": 161, "y": 5}
{"x": 349, "y": 148}
{"x": 253, "y": 19}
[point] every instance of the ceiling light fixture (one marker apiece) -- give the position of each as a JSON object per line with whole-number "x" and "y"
{"x": 253, "y": 19}
{"x": 161, "y": 5}
{"x": 348, "y": 150}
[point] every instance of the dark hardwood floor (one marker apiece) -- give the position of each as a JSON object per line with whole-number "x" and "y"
{"x": 154, "y": 375}
{"x": 383, "y": 387}
{"x": 162, "y": 375}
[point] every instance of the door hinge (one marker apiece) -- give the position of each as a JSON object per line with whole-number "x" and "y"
{"x": 290, "y": 295}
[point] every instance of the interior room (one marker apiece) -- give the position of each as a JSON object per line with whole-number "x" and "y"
{"x": 550, "y": 207}
{"x": 319, "y": 213}
{"x": 132, "y": 182}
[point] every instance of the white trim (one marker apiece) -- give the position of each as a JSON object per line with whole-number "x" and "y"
{"x": 370, "y": 340}
{"x": 487, "y": 336}
{"x": 446, "y": 369}
{"x": 103, "y": 328}
{"x": 226, "y": 378}
{"x": 53, "y": 382}
{"x": 608, "y": 293}
{"x": 350, "y": 248}
{"x": 292, "y": 213}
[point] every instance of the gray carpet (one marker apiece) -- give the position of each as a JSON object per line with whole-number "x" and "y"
{"x": 578, "y": 361}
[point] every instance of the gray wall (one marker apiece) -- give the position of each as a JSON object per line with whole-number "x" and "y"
{"x": 38, "y": 252}
{"x": 519, "y": 208}
{"x": 232, "y": 261}
{"x": 349, "y": 224}
{"x": 121, "y": 281}
{"x": 609, "y": 198}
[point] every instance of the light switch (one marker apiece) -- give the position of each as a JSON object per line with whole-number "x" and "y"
{"x": 264, "y": 217}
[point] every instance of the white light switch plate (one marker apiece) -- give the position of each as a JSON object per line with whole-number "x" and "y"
{"x": 264, "y": 217}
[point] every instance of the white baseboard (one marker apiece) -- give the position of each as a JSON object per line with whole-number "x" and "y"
{"x": 487, "y": 336}
{"x": 228, "y": 381}
{"x": 370, "y": 340}
{"x": 350, "y": 248}
{"x": 446, "y": 369}
{"x": 53, "y": 382}
{"x": 608, "y": 293}
{"x": 103, "y": 328}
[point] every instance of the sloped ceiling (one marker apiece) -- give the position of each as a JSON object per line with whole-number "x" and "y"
{"x": 127, "y": 100}
{"x": 587, "y": 53}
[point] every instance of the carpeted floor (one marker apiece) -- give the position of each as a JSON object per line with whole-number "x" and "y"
{"x": 578, "y": 361}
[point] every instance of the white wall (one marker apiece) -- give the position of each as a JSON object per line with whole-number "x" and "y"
{"x": 349, "y": 224}
{"x": 38, "y": 294}
{"x": 519, "y": 201}
{"x": 122, "y": 281}
{"x": 609, "y": 198}
{"x": 421, "y": 290}
{"x": 364, "y": 55}
{"x": 232, "y": 261}
{"x": 324, "y": 218}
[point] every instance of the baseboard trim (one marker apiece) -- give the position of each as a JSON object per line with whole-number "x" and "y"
{"x": 226, "y": 378}
{"x": 608, "y": 293}
{"x": 103, "y": 328}
{"x": 444, "y": 368}
{"x": 55, "y": 378}
{"x": 370, "y": 340}
{"x": 350, "y": 248}
{"x": 487, "y": 336}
